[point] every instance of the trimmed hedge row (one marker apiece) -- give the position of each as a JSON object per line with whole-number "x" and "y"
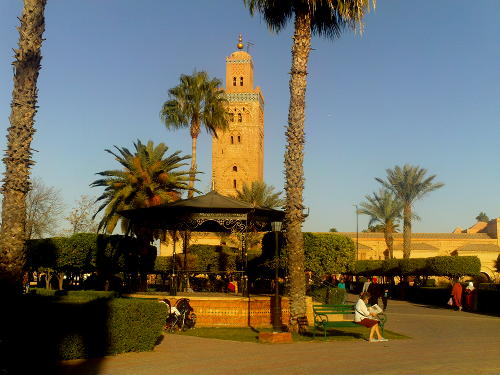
{"x": 117, "y": 326}
{"x": 84, "y": 325}
{"x": 450, "y": 266}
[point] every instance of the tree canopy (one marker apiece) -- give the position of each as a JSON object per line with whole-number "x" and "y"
{"x": 197, "y": 100}
{"x": 149, "y": 177}
{"x": 408, "y": 183}
{"x": 482, "y": 217}
{"x": 260, "y": 194}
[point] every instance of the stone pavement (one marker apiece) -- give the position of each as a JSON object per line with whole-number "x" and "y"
{"x": 442, "y": 342}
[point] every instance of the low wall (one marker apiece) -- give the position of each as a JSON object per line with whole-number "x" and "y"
{"x": 234, "y": 311}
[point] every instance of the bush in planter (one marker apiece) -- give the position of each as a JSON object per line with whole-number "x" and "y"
{"x": 328, "y": 295}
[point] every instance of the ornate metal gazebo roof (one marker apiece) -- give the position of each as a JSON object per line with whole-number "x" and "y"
{"x": 211, "y": 212}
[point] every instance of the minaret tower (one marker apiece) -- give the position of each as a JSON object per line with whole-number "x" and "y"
{"x": 238, "y": 153}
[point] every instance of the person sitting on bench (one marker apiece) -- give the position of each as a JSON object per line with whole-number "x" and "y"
{"x": 367, "y": 318}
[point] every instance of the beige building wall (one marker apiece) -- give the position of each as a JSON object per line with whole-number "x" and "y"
{"x": 483, "y": 243}
{"x": 238, "y": 154}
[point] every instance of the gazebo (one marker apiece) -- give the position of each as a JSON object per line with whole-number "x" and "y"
{"x": 211, "y": 212}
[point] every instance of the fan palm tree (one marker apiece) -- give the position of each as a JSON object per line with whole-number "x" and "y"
{"x": 384, "y": 210}
{"x": 20, "y": 133}
{"x": 148, "y": 178}
{"x": 260, "y": 194}
{"x": 195, "y": 101}
{"x": 326, "y": 18}
{"x": 408, "y": 183}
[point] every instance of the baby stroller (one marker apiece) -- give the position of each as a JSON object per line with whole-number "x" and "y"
{"x": 180, "y": 316}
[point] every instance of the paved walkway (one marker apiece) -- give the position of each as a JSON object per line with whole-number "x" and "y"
{"x": 442, "y": 342}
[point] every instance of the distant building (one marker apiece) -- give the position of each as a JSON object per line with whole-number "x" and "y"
{"x": 482, "y": 240}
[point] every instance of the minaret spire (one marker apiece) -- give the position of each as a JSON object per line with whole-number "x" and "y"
{"x": 240, "y": 44}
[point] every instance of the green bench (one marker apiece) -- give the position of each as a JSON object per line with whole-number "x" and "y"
{"x": 322, "y": 321}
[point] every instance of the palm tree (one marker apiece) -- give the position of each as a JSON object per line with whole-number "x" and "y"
{"x": 408, "y": 183}
{"x": 20, "y": 133}
{"x": 148, "y": 178}
{"x": 326, "y": 18}
{"x": 482, "y": 217}
{"x": 195, "y": 101}
{"x": 384, "y": 210}
{"x": 260, "y": 194}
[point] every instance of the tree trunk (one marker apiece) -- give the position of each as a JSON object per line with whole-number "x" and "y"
{"x": 407, "y": 231}
{"x": 48, "y": 280}
{"x": 18, "y": 154}
{"x": 389, "y": 239}
{"x": 60, "y": 280}
{"x": 294, "y": 169}
{"x": 195, "y": 132}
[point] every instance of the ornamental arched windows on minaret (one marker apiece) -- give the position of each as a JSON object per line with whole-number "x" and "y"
{"x": 242, "y": 145}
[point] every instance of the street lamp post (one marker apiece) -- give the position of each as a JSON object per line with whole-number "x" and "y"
{"x": 276, "y": 227}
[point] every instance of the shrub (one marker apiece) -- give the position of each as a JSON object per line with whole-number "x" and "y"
{"x": 453, "y": 266}
{"x": 134, "y": 325}
{"x": 328, "y": 295}
{"x": 369, "y": 267}
{"x": 163, "y": 264}
{"x": 86, "y": 324}
{"x": 430, "y": 283}
{"x": 328, "y": 253}
{"x": 450, "y": 266}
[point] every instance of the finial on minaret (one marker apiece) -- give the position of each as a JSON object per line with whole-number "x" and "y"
{"x": 240, "y": 42}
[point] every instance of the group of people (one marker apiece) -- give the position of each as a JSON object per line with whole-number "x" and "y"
{"x": 461, "y": 298}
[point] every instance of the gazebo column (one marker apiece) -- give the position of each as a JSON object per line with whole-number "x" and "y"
{"x": 244, "y": 278}
{"x": 173, "y": 281}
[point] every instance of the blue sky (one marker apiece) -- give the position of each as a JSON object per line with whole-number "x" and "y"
{"x": 420, "y": 86}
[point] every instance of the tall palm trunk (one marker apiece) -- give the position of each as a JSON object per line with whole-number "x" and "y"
{"x": 389, "y": 239}
{"x": 294, "y": 170}
{"x": 18, "y": 155}
{"x": 407, "y": 231}
{"x": 195, "y": 132}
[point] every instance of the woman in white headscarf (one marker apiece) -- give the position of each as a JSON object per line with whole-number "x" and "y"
{"x": 470, "y": 297}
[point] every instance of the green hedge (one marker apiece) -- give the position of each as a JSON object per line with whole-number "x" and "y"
{"x": 82, "y": 325}
{"x": 454, "y": 266}
{"x": 102, "y": 327}
{"x": 328, "y": 253}
{"x": 202, "y": 258}
{"x": 328, "y": 295}
{"x": 325, "y": 253}
{"x": 450, "y": 266}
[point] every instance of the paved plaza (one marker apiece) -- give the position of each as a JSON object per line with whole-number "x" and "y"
{"x": 442, "y": 342}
